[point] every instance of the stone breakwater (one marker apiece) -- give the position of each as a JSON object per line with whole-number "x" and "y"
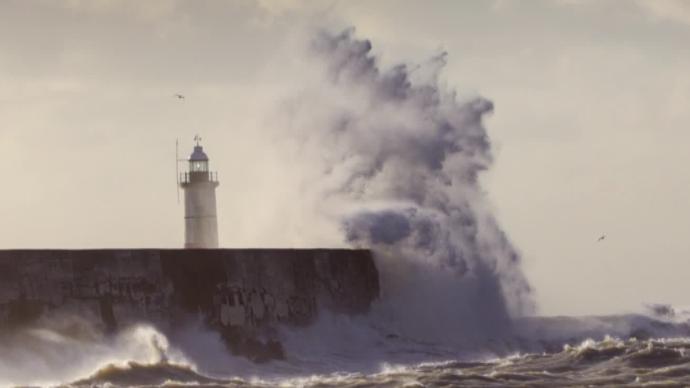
{"x": 244, "y": 294}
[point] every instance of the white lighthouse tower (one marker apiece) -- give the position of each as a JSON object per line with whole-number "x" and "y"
{"x": 199, "y": 185}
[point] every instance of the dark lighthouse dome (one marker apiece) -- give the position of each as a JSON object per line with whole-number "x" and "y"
{"x": 198, "y": 154}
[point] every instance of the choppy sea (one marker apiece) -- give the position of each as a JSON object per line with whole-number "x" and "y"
{"x": 610, "y": 362}
{"x": 338, "y": 351}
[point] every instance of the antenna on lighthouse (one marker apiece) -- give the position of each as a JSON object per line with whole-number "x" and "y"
{"x": 180, "y": 97}
{"x": 177, "y": 167}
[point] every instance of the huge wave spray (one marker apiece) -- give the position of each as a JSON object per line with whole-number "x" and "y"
{"x": 398, "y": 157}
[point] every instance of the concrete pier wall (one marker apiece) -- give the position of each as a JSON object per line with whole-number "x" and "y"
{"x": 242, "y": 293}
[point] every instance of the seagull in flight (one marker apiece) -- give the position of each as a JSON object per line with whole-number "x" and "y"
{"x": 603, "y": 236}
{"x": 179, "y": 96}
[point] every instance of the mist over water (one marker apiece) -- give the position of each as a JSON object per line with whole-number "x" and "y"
{"x": 65, "y": 347}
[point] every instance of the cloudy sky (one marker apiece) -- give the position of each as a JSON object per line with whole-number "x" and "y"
{"x": 590, "y": 129}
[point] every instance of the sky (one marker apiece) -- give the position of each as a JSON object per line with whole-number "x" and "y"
{"x": 590, "y": 128}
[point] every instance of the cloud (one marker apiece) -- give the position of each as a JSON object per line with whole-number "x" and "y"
{"x": 672, "y": 10}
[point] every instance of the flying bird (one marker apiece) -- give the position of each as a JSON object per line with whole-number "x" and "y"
{"x": 179, "y": 96}
{"x": 603, "y": 236}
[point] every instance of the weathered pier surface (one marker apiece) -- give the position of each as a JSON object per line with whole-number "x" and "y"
{"x": 243, "y": 293}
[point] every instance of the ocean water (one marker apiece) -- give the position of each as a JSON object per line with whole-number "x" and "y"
{"x": 623, "y": 350}
{"x": 610, "y": 362}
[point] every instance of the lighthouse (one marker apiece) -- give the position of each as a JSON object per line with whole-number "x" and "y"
{"x": 199, "y": 185}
